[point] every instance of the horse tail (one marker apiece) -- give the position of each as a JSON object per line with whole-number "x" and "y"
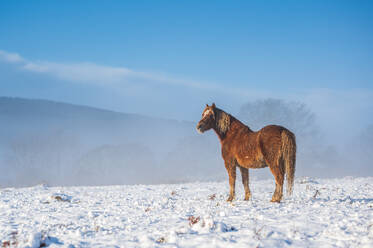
{"x": 289, "y": 149}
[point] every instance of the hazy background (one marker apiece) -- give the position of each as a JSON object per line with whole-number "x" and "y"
{"x": 118, "y": 87}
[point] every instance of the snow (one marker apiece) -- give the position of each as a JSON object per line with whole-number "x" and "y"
{"x": 321, "y": 213}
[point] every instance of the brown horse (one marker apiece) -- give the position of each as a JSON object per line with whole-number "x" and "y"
{"x": 272, "y": 146}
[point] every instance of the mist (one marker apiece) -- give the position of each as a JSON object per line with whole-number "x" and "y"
{"x": 63, "y": 144}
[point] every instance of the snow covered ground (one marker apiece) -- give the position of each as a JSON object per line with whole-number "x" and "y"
{"x": 321, "y": 213}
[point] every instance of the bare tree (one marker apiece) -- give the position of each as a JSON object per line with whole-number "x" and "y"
{"x": 313, "y": 153}
{"x": 295, "y": 116}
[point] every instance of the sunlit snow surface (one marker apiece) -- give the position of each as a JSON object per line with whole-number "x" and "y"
{"x": 321, "y": 213}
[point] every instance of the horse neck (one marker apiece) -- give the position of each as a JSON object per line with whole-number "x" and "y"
{"x": 231, "y": 122}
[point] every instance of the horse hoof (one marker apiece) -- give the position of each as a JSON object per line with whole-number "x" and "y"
{"x": 230, "y": 199}
{"x": 275, "y": 200}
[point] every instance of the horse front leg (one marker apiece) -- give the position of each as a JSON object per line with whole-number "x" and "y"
{"x": 231, "y": 168}
{"x": 245, "y": 182}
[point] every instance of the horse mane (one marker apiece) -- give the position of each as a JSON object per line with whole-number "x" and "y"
{"x": 223, "y": 121}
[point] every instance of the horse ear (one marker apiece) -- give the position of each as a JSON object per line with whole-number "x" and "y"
{"x": 207, "y": 105}
{"x": 213, "y": 105}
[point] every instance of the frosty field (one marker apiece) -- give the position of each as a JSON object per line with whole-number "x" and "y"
{"x": 321, "y": 213}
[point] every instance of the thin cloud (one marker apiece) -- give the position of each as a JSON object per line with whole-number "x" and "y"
{"x": 75, "y": 72}
{"x": 104, "y": 75}
{"x": 81, "y": 72}
{"x": 10, "y": 57}
{"x": 94, "y": 73}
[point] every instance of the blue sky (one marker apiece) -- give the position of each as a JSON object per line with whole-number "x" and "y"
{"x": 168, "y": 58}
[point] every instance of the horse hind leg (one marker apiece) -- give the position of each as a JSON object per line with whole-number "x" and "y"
{"x": 245, "y": 182}
{"x": 279, "y": 174}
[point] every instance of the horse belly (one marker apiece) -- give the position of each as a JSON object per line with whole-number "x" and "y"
{"x": 247, "y": 162}
{"x": 258, "y": 164}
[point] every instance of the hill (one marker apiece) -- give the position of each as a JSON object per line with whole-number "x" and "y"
{"x": 65, "y": 144}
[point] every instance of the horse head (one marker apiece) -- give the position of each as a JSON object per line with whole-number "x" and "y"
{"x": 208, "y": 119}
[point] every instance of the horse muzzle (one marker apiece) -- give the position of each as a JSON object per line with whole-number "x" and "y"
{"x": 199, "y": 129}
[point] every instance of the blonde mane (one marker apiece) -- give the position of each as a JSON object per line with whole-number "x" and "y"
{"x": 223, "y": 121}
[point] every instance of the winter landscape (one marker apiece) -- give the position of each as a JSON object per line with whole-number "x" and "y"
{"x": 39, "y": 206}
{"x": 122, "y": 123}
